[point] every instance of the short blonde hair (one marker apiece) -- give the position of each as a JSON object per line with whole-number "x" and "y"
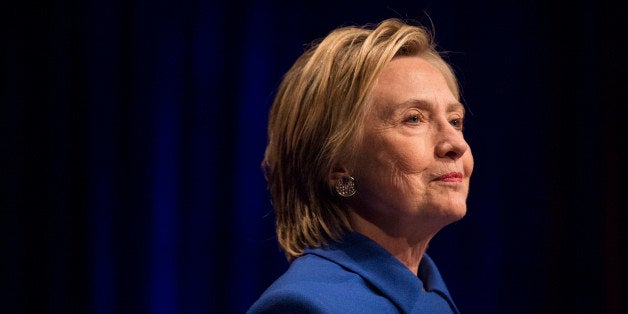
{"x": 316, "y": 120}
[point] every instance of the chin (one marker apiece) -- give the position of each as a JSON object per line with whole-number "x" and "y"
{"x": 452, "y": 214}
{"x": 459, "y": 215}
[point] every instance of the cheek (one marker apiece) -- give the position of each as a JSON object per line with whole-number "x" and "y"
{"x": 375, "y": 165}
{"x": 468, "y": 163}
{"x": 391, "y": 162}
{"x": 409, "y": 158}
{"x": 397, "y": 169}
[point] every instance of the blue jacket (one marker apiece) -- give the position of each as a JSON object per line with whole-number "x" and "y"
{"x": 356, "y": 275}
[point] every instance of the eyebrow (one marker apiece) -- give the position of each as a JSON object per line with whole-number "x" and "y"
{"x": 456, "y": 106}
{"x": 451, "y": 107}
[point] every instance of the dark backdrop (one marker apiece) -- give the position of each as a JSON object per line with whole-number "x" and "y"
{"x": 133, "y": 131}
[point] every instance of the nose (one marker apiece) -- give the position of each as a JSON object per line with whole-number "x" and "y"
{"x": 451, "y": 143}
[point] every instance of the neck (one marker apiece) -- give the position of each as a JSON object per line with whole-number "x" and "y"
{"x": 407, "y": 246}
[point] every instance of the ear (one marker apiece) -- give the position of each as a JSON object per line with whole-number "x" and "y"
{"x": 336, "y": 174}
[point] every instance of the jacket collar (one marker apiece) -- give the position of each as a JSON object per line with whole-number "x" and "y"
{"x": 380, "y": 268}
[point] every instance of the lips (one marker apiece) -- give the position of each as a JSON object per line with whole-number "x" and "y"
{"x": 451, "y": 177}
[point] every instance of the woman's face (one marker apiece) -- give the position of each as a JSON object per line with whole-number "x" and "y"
{"x": 413, "y": 165}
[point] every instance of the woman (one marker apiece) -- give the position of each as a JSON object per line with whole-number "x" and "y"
{"x": 366, "y": 162}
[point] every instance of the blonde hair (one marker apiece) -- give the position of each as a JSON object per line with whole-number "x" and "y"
{"x": 316, "y": 119}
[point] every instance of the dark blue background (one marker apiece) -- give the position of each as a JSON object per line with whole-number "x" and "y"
{"x": 133, "y": 131}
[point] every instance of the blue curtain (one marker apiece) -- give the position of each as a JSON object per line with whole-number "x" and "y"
{"x": 133, "y": 132}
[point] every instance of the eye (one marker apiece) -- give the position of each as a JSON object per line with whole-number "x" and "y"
{"x": 457, "y": 123}
{"x": 413, "y": 119}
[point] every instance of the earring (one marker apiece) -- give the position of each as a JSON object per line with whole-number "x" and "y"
{"x": 345, "y": 186}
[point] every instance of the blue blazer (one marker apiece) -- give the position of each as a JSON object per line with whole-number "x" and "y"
{"x": 356, "y": 275}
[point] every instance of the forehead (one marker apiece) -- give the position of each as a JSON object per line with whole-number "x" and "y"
{"x": 412, "y": 79}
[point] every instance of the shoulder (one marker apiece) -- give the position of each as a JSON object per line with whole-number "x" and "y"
{"x": 313, "y": 284}
{"x": 287, "y": 300}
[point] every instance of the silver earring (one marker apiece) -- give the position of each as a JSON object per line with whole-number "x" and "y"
{"x": 345, "y": 186}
